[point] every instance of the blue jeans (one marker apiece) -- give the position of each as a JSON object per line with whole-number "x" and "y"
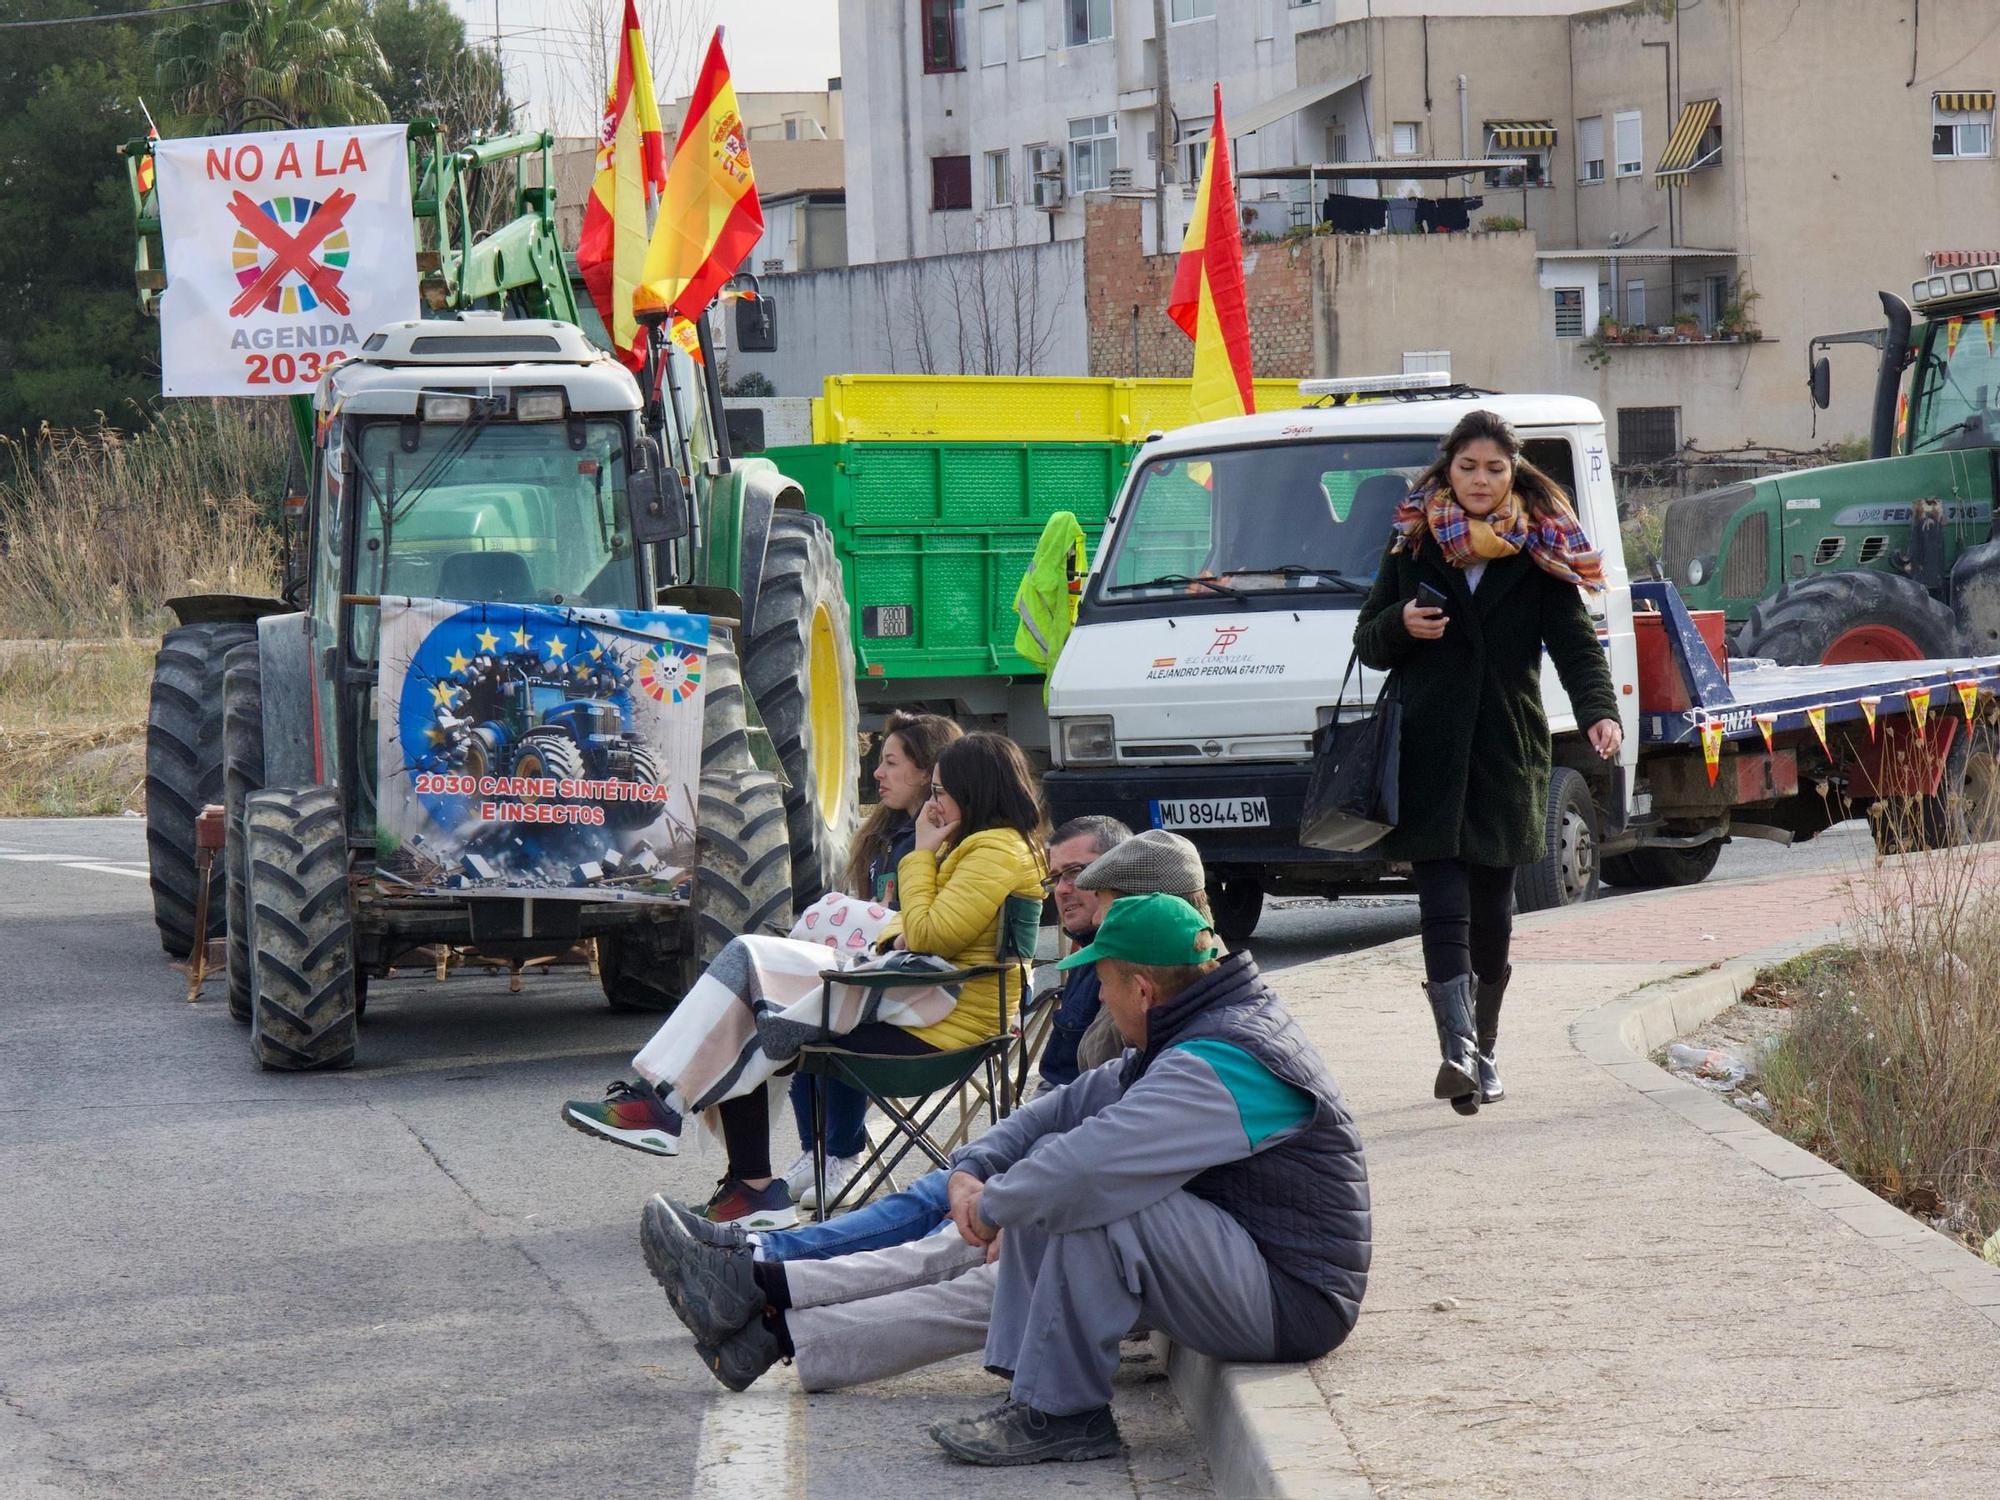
{"x": 900, "y": 1217}
{"x": 846, "y": 1115}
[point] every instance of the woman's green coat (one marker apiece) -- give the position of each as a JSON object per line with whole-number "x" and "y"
{"x": 1475, "y": 759}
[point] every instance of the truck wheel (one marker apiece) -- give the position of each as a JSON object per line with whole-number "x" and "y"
{"x": 1238, "y": 904}
{"x": 184, "y": 774}
{"x": 799, "y": 668}
{"x": 1852, "y": 616}
{"x": 1646, "y": 868}
{"x": 242, "y": 774}
{"x": 301, "y": 930}
{"x": 1965, "y": 809}
{"x": 1567, "y": 872}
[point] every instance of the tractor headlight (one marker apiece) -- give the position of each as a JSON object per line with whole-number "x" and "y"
{"x": 447, "y": 408}
{"x": 1696, "y": 572}
{"x": 539, "y": 406}
{"x": 1088, "y": 742}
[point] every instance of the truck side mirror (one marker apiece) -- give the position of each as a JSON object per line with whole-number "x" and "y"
{"x": 757, "y": 325}
{"x": 659, "y": 503}
{"x": 1821, "y": 382}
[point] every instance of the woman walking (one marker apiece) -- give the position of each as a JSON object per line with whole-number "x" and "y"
{"x": 977, "y": 842}
{"x": 1486, "y": 568}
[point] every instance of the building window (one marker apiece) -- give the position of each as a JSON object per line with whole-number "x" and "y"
{"x": 1648, "y": 434}
{"x": 992, "y": 36}
{"x": 944, "y": 36}
{"x": 1093, "y": 152}
{"x": 1635, "y": 304}
{"x": 1590, "y": 149}
{"x": 1534, "y": 174}
{"x": 1089, "y": 21}
{"x": 1336, "y": 141}
{"x": 1631, "y": 144}
{"x": 1034, "y": 33}
{"x": 951, "y": 182}
{"x": 1192, "y": 149}
{"x": 1961, "y": 125}
{"x": 1569, "y": 312}
{"x": 1191, "y": 10}
{"x": 999, "y": 179}
{"x": 1405, "y": 138}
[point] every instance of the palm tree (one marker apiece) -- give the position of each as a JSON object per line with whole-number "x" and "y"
{"x": 274, "y": 64}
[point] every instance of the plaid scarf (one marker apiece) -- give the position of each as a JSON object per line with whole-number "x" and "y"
{"x": 1555, "y": 543}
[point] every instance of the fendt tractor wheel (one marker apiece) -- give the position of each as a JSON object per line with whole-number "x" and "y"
{"x": 1568, "y": 871}
{"x": 242, "y": 774}
{"x": 301, "y": 929}
{"x": 1857, "y": 615}
{"x": 743, "y": 876}
{"x": 184, "y": 773}
{"x": 1646, "y": 868}
{"x": 799, "y": 666}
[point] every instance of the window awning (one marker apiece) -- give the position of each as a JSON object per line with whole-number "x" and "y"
{"x": 1521, "y": 135}
{"x": 1679, "y": 157}
{"x": 1288, "y": 103}
{"x": 1977, "y": 102}
{"x": 1952, "y": 260}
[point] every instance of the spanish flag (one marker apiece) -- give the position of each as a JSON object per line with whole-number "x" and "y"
{"x": 710, "y": 218}
{"x": 153, "y": 135}
{"x": 1208, "y": 300}
{"x": 631, "y": 171}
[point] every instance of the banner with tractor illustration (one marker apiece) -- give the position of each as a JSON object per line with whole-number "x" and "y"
{"x": 285, "y": 249}
{"x": 538, "y": 750}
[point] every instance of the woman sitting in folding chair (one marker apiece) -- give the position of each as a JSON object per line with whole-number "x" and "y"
{"x": 978, "y": 842}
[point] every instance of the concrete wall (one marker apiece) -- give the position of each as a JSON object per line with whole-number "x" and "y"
{"x": 992, "y": 312}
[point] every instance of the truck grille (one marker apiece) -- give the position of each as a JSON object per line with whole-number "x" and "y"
{"x": 1695, "y": 525}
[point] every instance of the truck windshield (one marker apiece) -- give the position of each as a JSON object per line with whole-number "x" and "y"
{"x": 1957, "y": 379}
{"x": 1283, "y": 518}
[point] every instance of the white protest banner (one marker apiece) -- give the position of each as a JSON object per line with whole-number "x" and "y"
{"x": 285, "y": 249}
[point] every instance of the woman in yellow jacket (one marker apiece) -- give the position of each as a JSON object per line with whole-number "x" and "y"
{"x": 978, "y": 841}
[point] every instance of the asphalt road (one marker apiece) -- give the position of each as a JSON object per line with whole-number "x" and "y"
{"x": 409, "y": 1278}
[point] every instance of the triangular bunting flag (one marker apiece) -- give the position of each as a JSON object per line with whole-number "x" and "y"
{"x": 1868, "y": 708}
{"x": 1817, "y": 718}
{"x": 1767, "y": 723}
{"x": 1986, "y": 324}
{"x": 1952, "y": 331}
{"x": 1968, "y": 694}
{"x": 1920, "y": 709}
{"x": 1711, "y": 746}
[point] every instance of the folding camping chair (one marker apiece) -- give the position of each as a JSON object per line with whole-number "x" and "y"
{"x": 912, "y": 1092}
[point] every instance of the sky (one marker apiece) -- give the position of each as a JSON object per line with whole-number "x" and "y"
{"x": 542, "y": 42}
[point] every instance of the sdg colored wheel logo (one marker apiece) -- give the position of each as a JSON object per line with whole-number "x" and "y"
{"x": 309, "y": 275}
{"x": 670, "y": 670}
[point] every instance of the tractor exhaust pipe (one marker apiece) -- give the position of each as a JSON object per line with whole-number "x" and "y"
{"x": 1889, "y": 375}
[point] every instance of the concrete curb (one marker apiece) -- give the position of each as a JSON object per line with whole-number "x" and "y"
{"x": 1620, "y": 1036}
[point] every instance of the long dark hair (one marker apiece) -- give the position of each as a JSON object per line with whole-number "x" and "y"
{"x": 1540, "y": 494}
{"x": 923, "y": 738}
{"x": 988, "y": 777}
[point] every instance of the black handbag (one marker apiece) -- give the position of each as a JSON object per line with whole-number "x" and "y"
{"x": 1351, "y": 799}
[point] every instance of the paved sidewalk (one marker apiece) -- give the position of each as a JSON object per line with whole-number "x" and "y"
{"x": 1581, "y": 1292}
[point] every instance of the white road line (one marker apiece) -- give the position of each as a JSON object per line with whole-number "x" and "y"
{"x": 749, "y": 1444}
{"x": 104, "y": 869}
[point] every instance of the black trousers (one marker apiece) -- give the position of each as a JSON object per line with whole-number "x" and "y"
{"x": 746, "y": 1119}
{"x": 1466, "y": 916}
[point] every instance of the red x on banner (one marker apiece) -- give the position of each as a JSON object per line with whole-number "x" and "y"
{"x": 292, "y": 253}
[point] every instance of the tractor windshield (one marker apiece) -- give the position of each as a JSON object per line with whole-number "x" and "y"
{"x": 1290, "y": 518}
{"x": 1955, "y": 390}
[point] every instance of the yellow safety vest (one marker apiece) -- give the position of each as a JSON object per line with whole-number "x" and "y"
{"x": 1046, "y": 600}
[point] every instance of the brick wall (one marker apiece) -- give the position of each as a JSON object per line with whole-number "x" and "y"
{"x": 1117, "y": 279}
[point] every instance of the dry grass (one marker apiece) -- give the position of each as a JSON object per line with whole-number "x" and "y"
{"x": 73, "y": 726}
{"x": 98, "y": 529}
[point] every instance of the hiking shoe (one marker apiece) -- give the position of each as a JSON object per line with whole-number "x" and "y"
{"x": 1016, "y": 1434}
{"x": 767, "y": 1207}
{"x": 744, "y": 1355}
{"x": 840, "y": 1170}
{"x": 631, "y": 1114}
{"x": 717, "y": 1236}
{"x": 712, "y": 1291}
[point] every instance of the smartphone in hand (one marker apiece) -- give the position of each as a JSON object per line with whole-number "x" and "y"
{"x": 1430, "y": 596}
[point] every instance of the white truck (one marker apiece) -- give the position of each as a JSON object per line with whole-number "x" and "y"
{"x": 1218, "y": 616}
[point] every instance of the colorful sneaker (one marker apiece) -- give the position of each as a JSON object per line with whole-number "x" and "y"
{"x": 768, "y": 1207}
{"x": 631, "y": 1114}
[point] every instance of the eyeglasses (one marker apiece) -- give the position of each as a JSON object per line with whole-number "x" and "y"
{"x": 1067, "y": 875}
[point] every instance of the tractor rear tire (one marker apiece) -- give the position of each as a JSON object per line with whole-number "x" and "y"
{"x": 1860, "y": 614}
{"x": 1646, "y": 869}
{"x": 184, "y": 774}
{"x": 554, "y": 755}
{"x": 242, "y": 774}
{"x": 1569, "y": 870}
{"x": 799, "y": 667}
{"x": 304, "y": 997}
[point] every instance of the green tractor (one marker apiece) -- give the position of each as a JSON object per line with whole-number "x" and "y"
{"x": 1892, "y": 558}
{"x": 490, "y": 452}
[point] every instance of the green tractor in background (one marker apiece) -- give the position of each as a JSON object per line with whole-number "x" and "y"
{"x": 265, "y": 705}
{"x": 1890, "y": 559}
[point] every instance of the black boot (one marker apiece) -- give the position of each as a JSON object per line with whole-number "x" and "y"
{"x": 1486, "y": 1032}
{"x": 1457, "y": 1074}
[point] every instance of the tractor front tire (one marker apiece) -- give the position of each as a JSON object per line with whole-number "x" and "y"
{"x": 1856, "y": 615}
{"x": 184, "y": 774}
{"x": 303, "y": 994}
{"x": 799, "y": 666}
{"x": 242, "y": 774}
